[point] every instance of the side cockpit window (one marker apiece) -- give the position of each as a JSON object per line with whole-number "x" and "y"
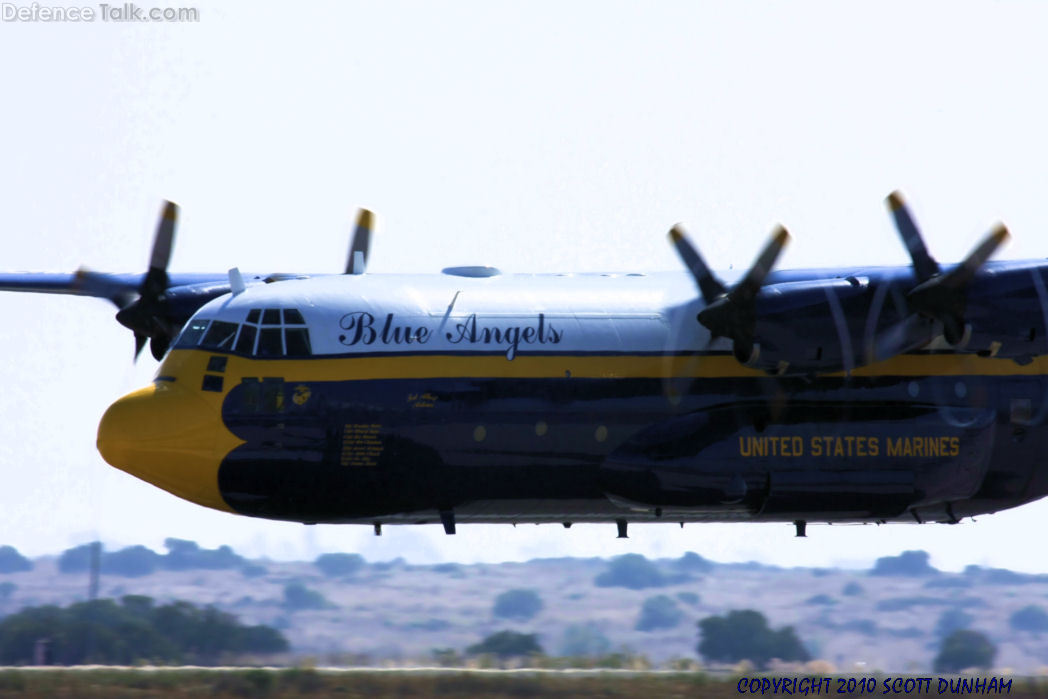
{"x": 269, "y": 332}
{"x": 192, "y": 333}
{"x": 220, "y": 336}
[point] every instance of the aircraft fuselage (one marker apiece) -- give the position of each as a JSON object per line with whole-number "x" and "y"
{"x": 573, "y": 398}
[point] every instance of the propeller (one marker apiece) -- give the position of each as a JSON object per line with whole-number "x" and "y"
{"x": 146, "y": 316}
{"x": 730, "y": 313}
{"x": 358, "y": 249}
{"x": 938, "y": 295}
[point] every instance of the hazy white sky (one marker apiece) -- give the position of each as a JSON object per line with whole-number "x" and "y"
{"x": 539, "y": 136}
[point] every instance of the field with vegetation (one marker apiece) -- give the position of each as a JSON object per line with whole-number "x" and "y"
{"x": 299, "y": 682}
{"x": 629, "y": 612}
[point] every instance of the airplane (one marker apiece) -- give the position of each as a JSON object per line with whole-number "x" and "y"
{"x": 847, "y": 395}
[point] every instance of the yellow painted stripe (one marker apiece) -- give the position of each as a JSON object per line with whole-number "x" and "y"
{"x": 411, "y": 366}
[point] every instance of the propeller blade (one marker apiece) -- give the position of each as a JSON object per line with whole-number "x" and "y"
{"x": 165, "y": 236}
{"x": 99, "y": 284}
{"x": 751, "y": 283}
{"x": 140, "y": 342}
{"x": 361, "y": 242}
{"x": 730, "y": 313}
{"x": 709, "y": 285}
{"x": 937, "y": 295}
{"x": 963, "y": 273}
{"x": 155, "y": 282}
{"x": 923, "y": 263}
{"x": 909, "y": 333}
{"x": 158, "y": 346}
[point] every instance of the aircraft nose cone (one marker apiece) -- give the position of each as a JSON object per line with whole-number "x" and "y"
{"x": 166, "y": 436}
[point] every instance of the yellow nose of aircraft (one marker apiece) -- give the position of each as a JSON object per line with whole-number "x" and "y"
{"x": 170, "y": 437}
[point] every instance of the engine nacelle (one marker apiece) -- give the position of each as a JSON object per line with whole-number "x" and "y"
{"x": 804, "y": 328}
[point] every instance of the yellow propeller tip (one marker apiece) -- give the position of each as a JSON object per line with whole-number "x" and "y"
{"x": 895, "y": 201}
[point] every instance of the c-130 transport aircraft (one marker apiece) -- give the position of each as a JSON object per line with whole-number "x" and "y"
{"x": 863, "y": 394}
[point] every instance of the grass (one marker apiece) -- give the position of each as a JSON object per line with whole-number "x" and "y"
{"x": 307, "y": 682}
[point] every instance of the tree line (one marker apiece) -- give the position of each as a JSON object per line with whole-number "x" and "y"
{"x": 131, "y": 630}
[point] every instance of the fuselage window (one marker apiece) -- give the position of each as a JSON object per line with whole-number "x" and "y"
{"x": 271, "y": 316}
{"x": 270, "y": 343}
{"x": 192, "y": 333}
{"x": 246, "y": 341}
{"x": 220, "y": 335}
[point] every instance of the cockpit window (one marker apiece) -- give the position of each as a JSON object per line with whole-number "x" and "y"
{"x": 270, "y": 343}
{"x": 192, "y": 333}
{"x": 220, "y": 335}
{"x": 297, "y": 342}
{"x": 246, "y": 340}
{"x": 263, "y": 335}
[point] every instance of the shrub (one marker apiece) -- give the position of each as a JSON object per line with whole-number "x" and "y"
{"x": 689, "y": 598}
{"x": 336, "y": 565}
{"x": 745, "y": 635}
{"x": 952, "y": 620}
{"x": 13, "y": 562}
{"x": 253, "y": 570}
{"x": 517, "y": 604}
{"x": 77, "y": 559}
{"x": 298, "y": 597}
{"x": 658, "y": 612}
{"x": 853, "y": 589}
{"x": 134, "y": 629}
{"x": 584, "y": 640}
{"x": 507, "y": 644}
{"x": 1029, "y": 618}
{"x": 907, "y": 563}
{"x": 187, "y": 555}
{"x": 131, "y": 562}
{"x": 632, "y": 571}
{"x": 692, "y": 562}
{"x": 963, "y": 649}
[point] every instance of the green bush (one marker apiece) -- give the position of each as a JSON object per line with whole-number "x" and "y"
{"x": 632, "y": 571}
{"x": 853, "y": 589}
{"x": 507, "y": 644}
{"x": 187, "y": 555}
{"x": 133, "y": 630}
{"x": 906, "y": 564}
{"x": 952, "y": 620}
{"x": 1029, "y": 618}
{"x": 298, "y": 597}
{"x": 517, "y": 604}
{"x": 13, "y": 562}
{"x": 131, "y": 562}
{"x": 7, "y": 589}
{"x": 964, "y": 649}
{"x": 692, "y": 562}
{"x": 659, "y": 612}
{"x": 584, "y": 640}
{"x": 745, "y": 635}
{"x": 335, "y": 565}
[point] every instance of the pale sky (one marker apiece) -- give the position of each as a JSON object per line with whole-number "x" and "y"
{"x": 538, "y": 136}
